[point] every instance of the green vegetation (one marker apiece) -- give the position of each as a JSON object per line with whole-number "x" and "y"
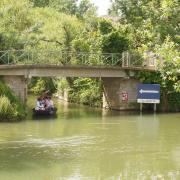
{"x": 86, "y": 91}
{"x": 144, "y": 27}
{"x": 11, "y": 108}
{"x": 38, "y": 85}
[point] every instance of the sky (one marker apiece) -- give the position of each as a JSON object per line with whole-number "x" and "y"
{"x": 102, "y": 5}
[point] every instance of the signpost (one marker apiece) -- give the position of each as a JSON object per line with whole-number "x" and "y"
{"x": 148, "y": 93}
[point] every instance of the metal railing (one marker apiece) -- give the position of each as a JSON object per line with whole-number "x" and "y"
{"x": 24, "y": 57}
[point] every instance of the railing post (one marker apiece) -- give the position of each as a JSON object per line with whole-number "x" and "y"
{"x": 32, "y": 56}
{"x": 8, "y": 57}
{"x": 28, "y": 57}
{"x": 112, "y": 60}
{"x": 128, "y": 58}
{"x": 123, "y": 62}
{"x": 125, "y": 59}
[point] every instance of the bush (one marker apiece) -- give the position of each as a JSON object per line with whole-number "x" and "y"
{"x": 6, "y": 110}
{"x": 86, "y": 91}
{"x": 11, "y": 107}
{"x": 38, "y": 85}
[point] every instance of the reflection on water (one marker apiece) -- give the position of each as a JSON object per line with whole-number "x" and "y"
{"x": 87, "y": 143}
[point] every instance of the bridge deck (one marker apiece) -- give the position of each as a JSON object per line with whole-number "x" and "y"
{"x": 69, "y": 70}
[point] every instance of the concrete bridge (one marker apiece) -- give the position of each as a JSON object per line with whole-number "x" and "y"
{"x": 117, "y": 79}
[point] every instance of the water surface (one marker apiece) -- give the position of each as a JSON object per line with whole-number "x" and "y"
{"x": 87, "y": 143}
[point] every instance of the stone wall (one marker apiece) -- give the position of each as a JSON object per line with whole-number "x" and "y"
{"x": 18, "y": 84}
{"x": 120, "y": 93}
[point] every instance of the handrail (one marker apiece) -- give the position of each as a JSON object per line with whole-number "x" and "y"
{"x": 57, "y": 57}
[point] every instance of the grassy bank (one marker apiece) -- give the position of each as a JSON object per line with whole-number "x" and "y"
{"x": 11, "y": 107}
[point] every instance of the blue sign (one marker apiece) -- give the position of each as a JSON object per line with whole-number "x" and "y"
{"x": 148, "y": 93}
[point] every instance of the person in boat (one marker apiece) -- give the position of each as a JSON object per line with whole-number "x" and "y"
{"x": 39, "y": 104}
{"x": 49, "y": 103}
{"x": 45, "y": 94}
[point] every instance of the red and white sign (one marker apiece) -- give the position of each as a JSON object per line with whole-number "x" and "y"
{"x": 124, "y": 96}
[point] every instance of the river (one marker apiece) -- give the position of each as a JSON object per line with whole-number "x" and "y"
{"x": 89, "y": 143}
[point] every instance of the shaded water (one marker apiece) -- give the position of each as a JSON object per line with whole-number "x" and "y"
{"x": 86, "y": 143}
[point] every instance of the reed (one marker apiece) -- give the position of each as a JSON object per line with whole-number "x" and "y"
{"x": 11, "y": 107}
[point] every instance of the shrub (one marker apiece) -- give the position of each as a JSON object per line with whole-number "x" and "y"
{"x": 86, "y": 91}
{"x": 38, "y": 85}
{"x": 6, "y": 110}
{"x": 11, "y": 107}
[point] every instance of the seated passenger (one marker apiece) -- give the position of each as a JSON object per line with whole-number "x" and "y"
{"x": 45, "y": 94}
{"x": 49, "y": 103}
{"x": 39, "y": 104}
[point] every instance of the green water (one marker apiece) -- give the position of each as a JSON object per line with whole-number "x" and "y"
{"x": 86, "y": 143}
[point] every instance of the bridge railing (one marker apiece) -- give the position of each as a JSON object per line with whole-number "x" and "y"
{"x": 23, "y": 57}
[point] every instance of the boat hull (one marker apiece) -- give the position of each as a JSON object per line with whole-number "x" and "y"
{"x": 49, "y": 112}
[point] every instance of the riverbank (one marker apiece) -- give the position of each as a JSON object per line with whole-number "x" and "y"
{"x": 147, "y": 108}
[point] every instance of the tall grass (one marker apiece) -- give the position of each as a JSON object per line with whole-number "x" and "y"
{"x": 11, "y": 107}
{"x": 6, "y": 110}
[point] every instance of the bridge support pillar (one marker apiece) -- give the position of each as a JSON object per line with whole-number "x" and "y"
{"x": 120, "y": 93}
{"x": 19, "y": 85}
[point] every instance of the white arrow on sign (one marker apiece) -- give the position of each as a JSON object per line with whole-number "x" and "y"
{"x": 148, "y": 91}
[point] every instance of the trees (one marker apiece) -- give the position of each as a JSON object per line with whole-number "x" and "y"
{"x": 170, "y": 71}
{"x": 152, "y": 19}
{"x": 86, "y": 91}
{"x": 54, "y": 30}
{"x": 15, "y": 23}
{"x": 64, "y": 6}
{"x": 40, "y": 3}
{"x": 170, "y": 74}
{"x": 71, "y": 7}
{"x": 86, "y": 10}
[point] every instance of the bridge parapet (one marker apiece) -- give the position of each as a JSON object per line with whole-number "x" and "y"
{"x": 24, "y": 57}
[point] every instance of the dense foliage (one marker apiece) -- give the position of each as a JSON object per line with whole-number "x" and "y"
{"x": 86, "y": 91}
{"x": 11, "y": 108}
{"x": 38, "y": 85}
